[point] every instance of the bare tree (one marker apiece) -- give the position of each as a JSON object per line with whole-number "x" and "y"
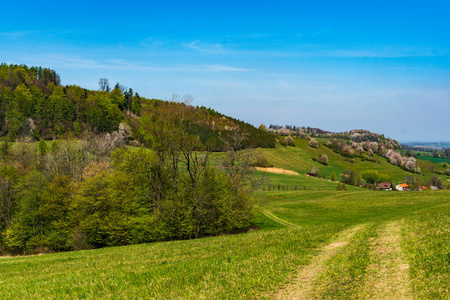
{"x": 237, "y": 162}
{"x": 104, "y": 84}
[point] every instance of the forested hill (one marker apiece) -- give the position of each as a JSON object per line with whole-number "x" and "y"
{"x": 34, "y": 104}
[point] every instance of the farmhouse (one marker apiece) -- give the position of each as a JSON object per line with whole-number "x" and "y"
{"x": 402, "y": 187}
{"x": 385, "y": 186}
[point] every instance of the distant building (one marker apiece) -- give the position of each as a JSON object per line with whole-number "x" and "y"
{"x": 385, "y": 186}
{"x": 402, "y": 187}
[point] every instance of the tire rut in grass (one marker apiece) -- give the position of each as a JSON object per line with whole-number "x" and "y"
{"x": 388, "y": 274}
{"x": 270, "y": 215}
{"x": 301, "y": 287}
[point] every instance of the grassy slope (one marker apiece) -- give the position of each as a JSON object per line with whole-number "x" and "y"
{"x": 302, "y": 182}
{"x": 247, "y": 265}
{"x": 299, "y": 159}
{"x": 239, "y": 266}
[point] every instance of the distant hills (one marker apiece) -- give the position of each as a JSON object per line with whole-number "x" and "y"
{"x": 435, "y": 145}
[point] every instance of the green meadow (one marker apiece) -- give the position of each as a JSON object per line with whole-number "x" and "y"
{"x": 308, "y": 240}
{"x": 437, "y": 160}
{"x": 294, "y": 229}
{"x": 300, "y": 159}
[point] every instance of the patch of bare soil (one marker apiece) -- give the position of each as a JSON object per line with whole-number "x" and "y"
{"x": 277, "y": 171}
{"x": 388, "y": 274}
{"x": 301, "y": 286}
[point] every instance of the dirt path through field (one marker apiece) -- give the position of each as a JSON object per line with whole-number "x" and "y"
{"x": 388, "y": 274}
{"x": 302, "y": 285}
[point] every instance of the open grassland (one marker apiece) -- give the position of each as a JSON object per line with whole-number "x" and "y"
{"x": 437, "y": 160}
{"x": 301, "y": 182}
{"x": 299, "y": 159}
{"x": 317, "y": 244}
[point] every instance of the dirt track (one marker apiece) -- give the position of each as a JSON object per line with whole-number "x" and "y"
{"x": 277, "y": 171}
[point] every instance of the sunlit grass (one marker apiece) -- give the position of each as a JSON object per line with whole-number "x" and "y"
{"x": 249, "y": 265}
{"x": 299, "y": 159}
{"x": 427, "y": 246}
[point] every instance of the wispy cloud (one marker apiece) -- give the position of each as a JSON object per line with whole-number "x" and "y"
{"x": 313, "y": 50}
{"x": 293, "y": 46}
{"x": 208, "y": 48}
{"x": 383, "y": 52}
{"x": 363, "y": 52}
{"x": 222, "y": 68}
{"x": 61, "y": 60}
{"x": 151, "y": 42}
{"x": 17, "y": 34}
{"x": 67, "y": 61}
{"x": 249, "y": 36}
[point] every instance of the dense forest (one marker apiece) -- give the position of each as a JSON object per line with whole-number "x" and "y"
{"x": 69, "y": 180}
{"x": 34, "y": 104}
{"x": 90, "y": 193}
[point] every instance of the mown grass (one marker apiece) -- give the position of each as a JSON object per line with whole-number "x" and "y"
{"x": 426, "y": 236}
{"x": 229, "y": 267}
{"x": 307, "y": 208}
{"x": 246, "y": 266}
{"x": 346, "y": 271}
{"x": 426, "y": 240}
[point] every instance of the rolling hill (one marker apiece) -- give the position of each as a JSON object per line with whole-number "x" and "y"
{"x": 299, "y": 158}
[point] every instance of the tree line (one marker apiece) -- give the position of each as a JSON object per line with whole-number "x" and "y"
{"x": 34, "y": 104}
{"x": 68, "y": 181}
{"x": 95, "y": 192}
{"x": 210, "y": 127}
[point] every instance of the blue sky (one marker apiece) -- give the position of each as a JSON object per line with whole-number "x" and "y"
{"x": 337, "y": 65}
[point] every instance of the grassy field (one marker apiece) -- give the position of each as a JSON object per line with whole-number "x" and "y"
{"x": 299, "y": 159}
{"x": 437, "y": 160}
{"x": 312, "y": 242}
{"x": 301, "y": 182}
{"x": 324, "y": 236}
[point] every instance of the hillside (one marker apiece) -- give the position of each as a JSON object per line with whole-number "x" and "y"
{"x": 356, "y": 135}
{"x": 120, "y": 169}
{"x": 299, "y": 158}
{"x": 33, "y": 104}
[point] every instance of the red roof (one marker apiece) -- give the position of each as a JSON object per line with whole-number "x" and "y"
{"x": 384, "y": 185}
{"x": 404, "y": 185}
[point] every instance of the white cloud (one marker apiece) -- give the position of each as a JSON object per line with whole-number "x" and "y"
{"x": 315, "y": 50}
{"x": 17, "y": 34}
{"x": 206, "y": 47}
{"x": 68, "y": 61}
